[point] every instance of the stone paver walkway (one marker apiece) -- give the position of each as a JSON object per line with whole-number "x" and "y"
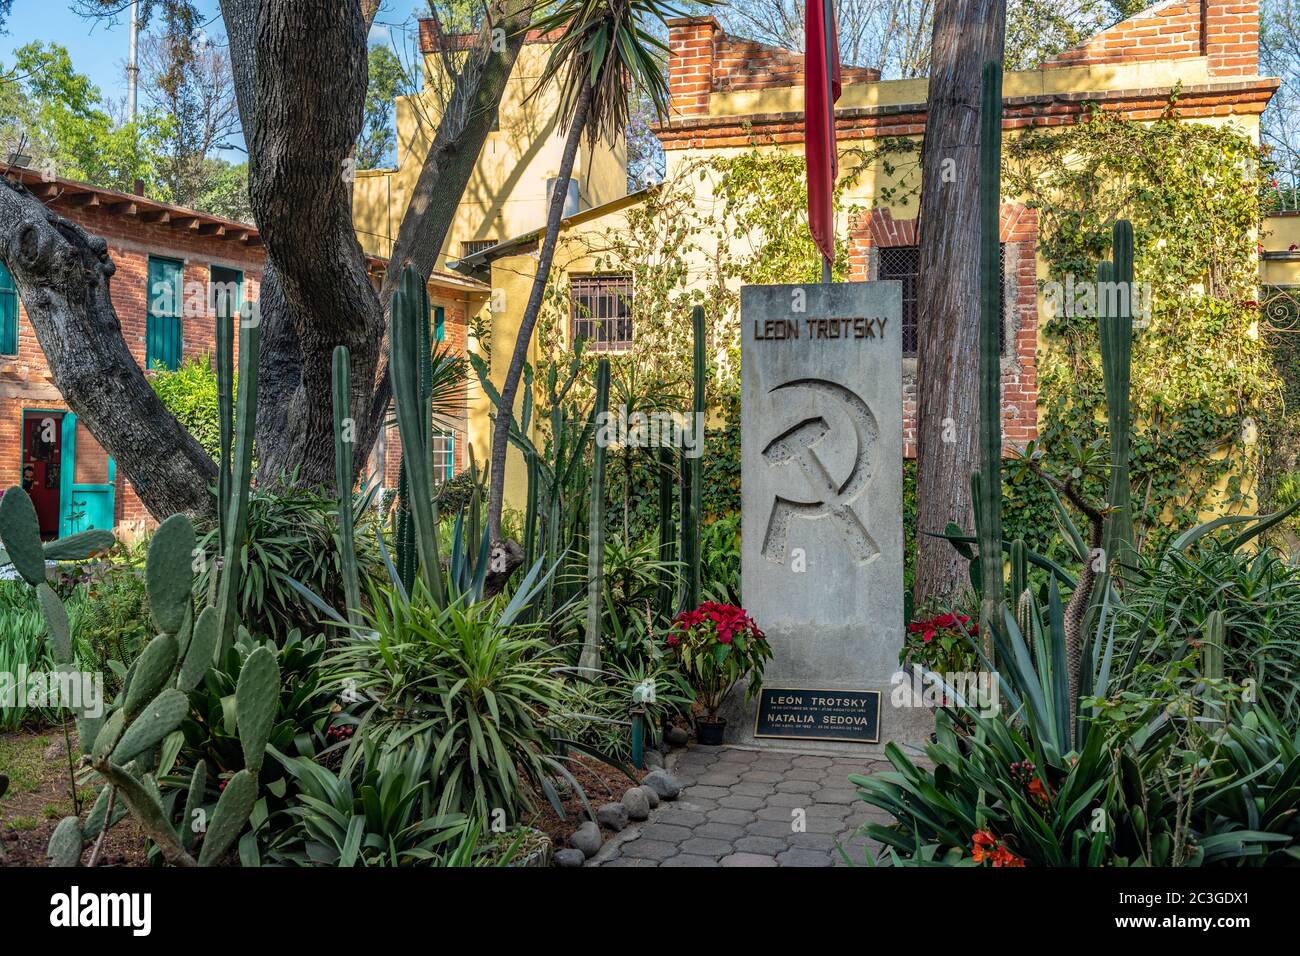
{"x": 748, "y": 807}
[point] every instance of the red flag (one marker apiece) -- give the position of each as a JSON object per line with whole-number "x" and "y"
{"x": 819, "y": 125}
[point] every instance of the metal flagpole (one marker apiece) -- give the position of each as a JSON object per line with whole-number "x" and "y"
{"x": 828, "y": 28}
{"x": 133, "y": 63}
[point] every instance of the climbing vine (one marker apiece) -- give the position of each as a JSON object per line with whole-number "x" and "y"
{"x": 1203, "y": 384}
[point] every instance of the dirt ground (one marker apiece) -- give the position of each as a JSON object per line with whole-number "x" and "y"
{"x": 601, "y": 783}
{"x": 39, "y": 796}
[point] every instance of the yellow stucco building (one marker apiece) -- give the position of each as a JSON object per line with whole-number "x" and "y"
{"x": 729, "y": 94}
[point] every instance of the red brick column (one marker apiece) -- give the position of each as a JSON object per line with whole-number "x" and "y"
{"x": 1019, "y": 232}
{"x": 692, "y": 45}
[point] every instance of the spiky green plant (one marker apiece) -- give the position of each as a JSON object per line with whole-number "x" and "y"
{"x": 990, "y": 365}
{"x": 589, "y": 661}
{"x": 344, "y": 435}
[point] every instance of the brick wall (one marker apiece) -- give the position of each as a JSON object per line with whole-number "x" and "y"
{"x": 703, "y": 59}
{"x": 1019, "y": 234}
{"x": 25, "y": 380}
{"x": 1224, "y": 31}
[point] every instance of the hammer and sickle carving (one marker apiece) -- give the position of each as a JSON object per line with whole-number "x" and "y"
{"x": 797, "y": 445}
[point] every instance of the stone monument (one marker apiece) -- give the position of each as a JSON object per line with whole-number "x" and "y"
{"x": 822, "y": 513}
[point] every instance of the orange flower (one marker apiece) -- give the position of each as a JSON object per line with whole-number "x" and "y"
{"x": 1036, "y": 789}
{"x": 988, "y": 848}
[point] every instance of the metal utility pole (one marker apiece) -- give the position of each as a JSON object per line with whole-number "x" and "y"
{"x": 133, "y": 63}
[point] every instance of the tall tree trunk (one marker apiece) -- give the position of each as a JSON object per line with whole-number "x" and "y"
{"x": 300, "y": 75}
{"x": 62, "y": 275}
{"x": 515, "y": 371}
{"x": 967, "y": 33}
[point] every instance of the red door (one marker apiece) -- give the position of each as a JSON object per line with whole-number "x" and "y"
{"x": 42, "y": 447}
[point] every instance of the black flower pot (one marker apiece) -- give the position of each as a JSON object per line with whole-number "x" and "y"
{"x": 709, "y": 732}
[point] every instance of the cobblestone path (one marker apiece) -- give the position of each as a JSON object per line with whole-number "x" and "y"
{"x": 748, "y": 807}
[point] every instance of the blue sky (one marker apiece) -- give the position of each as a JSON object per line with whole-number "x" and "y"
{"x": 99, "y": 48}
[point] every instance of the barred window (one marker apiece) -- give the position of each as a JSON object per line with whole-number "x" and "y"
{"x": 903, "y": 263}
{"x": 601, "y": 311}
{"x": 473, "y": 246}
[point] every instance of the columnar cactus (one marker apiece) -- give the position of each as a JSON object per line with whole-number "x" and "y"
{"x": 407, "y": 368}
{"x": 589, "y": 660}
{"x": 990, "y": 356}
{"x": 666, "y": 574}
{"x": 1116, "y": 335}
{"x": 692, "y": 474}
{"x": 235, "y": 519}
{"x": 344, "y": 436}
{"x": 1212, "y": 647}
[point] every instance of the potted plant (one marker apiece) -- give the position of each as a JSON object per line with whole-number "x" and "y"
{"x": 718, "y": 645}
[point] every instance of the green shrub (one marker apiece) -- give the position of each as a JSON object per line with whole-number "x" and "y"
{"x": 190, "y": 393}
{"x": 378, "y": 820}
{"x": 463, "y": 687}
{"x": 720, "y": 559}
{"x": 1259, "y": 594}
{"x": 597, "y": 712}
{"x": 293, "y": 533}
{"x": 116, "y": 621}
{"x": 301, "y": 719}
{"x": 456, "y": 493}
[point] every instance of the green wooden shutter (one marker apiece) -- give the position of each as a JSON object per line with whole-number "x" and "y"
{"x": 162, "y": 336}
{"x": 8, "y": 313}
{"x": 439, "y": 324}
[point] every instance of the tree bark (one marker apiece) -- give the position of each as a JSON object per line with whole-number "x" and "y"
{"x": 967, "y": 33}
{"x": 300, "y": 77}
{"x": 62, "y": 275}
{"x": 301, "y": 89}
{"x": 452, "y": 158}
{"x": 510, "y": 387}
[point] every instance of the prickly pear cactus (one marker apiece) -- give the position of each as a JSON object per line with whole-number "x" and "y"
{"x": 137, "y": 739}
{"x": 145, "y": 721}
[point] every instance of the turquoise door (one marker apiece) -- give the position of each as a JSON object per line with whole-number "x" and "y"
{"x": 81, "y": 506}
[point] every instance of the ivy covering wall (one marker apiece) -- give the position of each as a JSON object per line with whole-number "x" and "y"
{"x": 1205, "y": 390}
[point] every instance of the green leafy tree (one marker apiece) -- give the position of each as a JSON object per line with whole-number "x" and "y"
{"x": 388, "y": 80}
{"x": 188, "y": 79}
{"x": 59, "y": 118}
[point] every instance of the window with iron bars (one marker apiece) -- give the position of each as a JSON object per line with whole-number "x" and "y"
{"x": 601, "y": 311}
{"x": 472, "y": 246}
{"x": 903, "y": 263}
